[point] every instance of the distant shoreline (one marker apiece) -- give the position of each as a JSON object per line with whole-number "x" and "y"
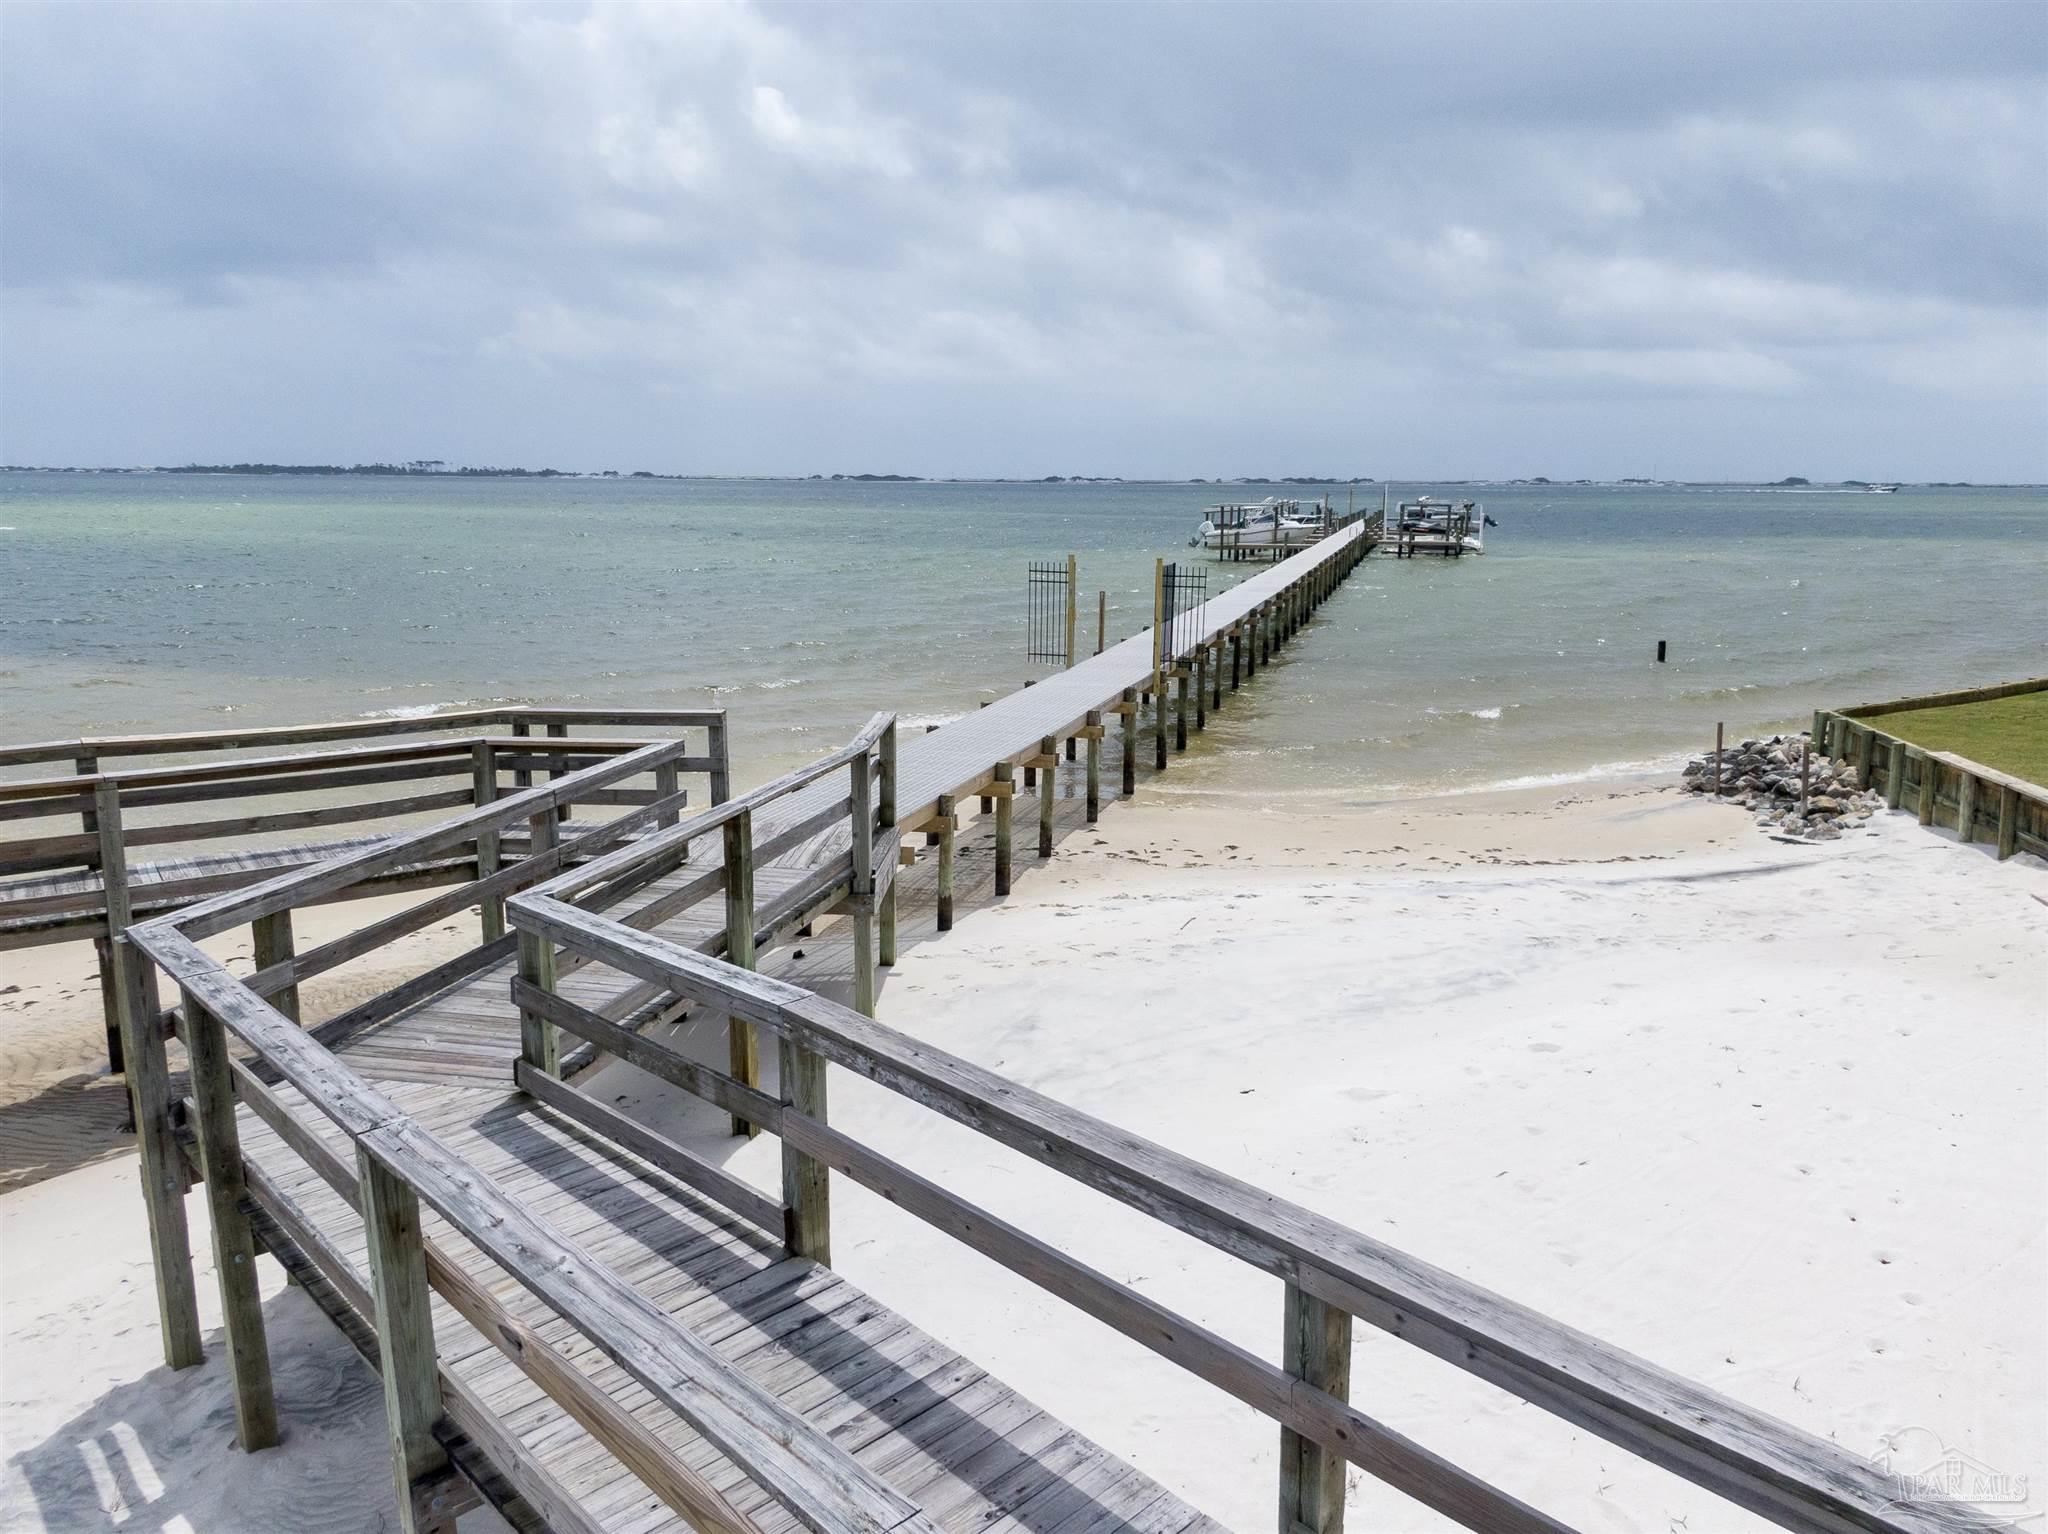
{"x": 408, "y": 471}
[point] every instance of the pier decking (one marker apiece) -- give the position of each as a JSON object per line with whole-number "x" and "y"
{"x": 603, "y": 1330}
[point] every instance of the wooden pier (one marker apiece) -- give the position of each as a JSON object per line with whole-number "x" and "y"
{"x": 597, "y": 1329}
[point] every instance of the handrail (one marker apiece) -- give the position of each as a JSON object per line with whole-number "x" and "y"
{"x": 346, "y": 729}
{"x": 313, "y": 761}
{"x": 806, "y": 1472}
{"x": 600, "y": 870}
{"x": 1767, "y": 1466}
{"x": 234, "y": 907}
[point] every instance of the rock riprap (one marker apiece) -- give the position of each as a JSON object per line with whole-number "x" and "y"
{"x": 1762, "y": 776}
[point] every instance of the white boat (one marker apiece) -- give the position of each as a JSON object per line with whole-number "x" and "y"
{"x": 1427, "y": 525}
{"x": 1267, "y": 524}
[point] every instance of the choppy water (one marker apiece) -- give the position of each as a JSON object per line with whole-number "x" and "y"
{"x": 151, "y": 602}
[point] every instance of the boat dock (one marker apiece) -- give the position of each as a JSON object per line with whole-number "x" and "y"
{"x": 595, "y": 1328}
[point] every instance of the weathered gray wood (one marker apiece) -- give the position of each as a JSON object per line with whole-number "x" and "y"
{"x": 1180, "y": 708}
{"x": 1326, "y": 1418}
{"x": 405, "y": 1326}
{"x": 272, "y": 939}
{"x": 1895, "y": 775}
{"x": 742, "y": 1047}
{"x": 1201, "y": 687}
{"x": 1003, "y": 823}
{"x": 1046, "y": 747}
{"x": 485, "y": 775}
{"x": 1966, "y": 806}
{"x": 1316, "y": 1349}
{"x": 1752, "y": 1459}
{"x": 113, "y": 865}
{"x": 539, "y": 1048}
{"x": 679, "y": 1162}
{"x": 1094, "y": 769}
{"x": 1128, "y": 719}
{"x": 161, "y": 1166}
{"x": 805, "y": 1472}
{"x": 234, "y": 1248}
{"x": 947, "y": 834}
{"x": 713, "y": 1086}
{"x": 806, "y": 1181}
{"x": 1930, "y": 778}
{"x": 2008, "y": 821}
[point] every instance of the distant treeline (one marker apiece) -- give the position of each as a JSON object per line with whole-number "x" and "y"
{"x": 430, "y": 466}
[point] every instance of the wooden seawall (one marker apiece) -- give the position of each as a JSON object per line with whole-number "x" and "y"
{"x": 601, "y": 1330}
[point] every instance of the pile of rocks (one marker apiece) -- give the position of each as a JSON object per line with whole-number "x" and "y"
{"x": 1763, "y": 776}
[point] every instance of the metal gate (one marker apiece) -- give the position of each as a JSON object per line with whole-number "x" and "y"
{"x": 1183, "y": 593}
{"x": 1050, "y": 612}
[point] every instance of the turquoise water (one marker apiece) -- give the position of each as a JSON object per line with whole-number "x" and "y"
{"x": 155, "y": 602}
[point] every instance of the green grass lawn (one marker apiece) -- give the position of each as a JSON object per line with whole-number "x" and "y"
{"x": 2010, "y": 734}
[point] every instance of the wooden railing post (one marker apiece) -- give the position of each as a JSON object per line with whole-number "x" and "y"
{"x": 743, "y": 1050}
{"x": 667, "y": 782}
{"x": 272, "y": 937}
{"x": 522, "y": 776}
{"x": 1895, "y": 775}
{"x": 946, "y": 828}
{"x": 1129, "y": 724}
{"x": 234, "y": 1244}
{"x": 540, "y": 1046}
{"x": 1316, "y": 1349}
{"x": 806, "y": 1181}
{"x": 1006, "y": 786}
{"x": 561, "y": 769}
{"x": 889, "y": 837}
{"x": 861, "y": 889}
{"x": 1094, "y": 765}
{"x": 113, "y": 861}
{"x": 405, "y": 1329}
{"x": 1048, "y": 750}
{"x": 484, "y": 773}
{"x": 162, "y": 1165}
{"x": 1159, "y": 658}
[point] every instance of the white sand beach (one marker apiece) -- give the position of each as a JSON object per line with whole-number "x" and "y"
{"x": 1770, "y": 1116}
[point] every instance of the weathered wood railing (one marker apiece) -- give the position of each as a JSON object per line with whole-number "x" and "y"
{"x": 808, "y": 810}
{"x": 61, "y": 885}
{"x": 388, "y": 1166}
{"x": 1941, "y": 787}
{"x": 1331, "y": 1275}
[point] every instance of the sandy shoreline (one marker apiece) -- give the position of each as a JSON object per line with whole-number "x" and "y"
{"x": 1770, "y": 1116}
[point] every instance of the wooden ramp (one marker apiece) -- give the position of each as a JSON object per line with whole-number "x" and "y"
{"x": 960, "y": 1444}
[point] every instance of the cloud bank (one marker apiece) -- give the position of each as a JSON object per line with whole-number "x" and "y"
{"x": 1712, "y": 241}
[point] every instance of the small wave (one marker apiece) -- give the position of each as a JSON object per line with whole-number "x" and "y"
{"x": 1484, "y": 713}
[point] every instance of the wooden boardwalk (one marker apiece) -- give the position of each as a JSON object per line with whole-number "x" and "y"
{"x": 609, "y": 1333}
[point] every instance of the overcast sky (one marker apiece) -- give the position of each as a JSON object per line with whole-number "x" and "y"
{"x": 1722, "y": 241}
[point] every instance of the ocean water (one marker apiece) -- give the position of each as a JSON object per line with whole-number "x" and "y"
{"x": 170, "y": 601}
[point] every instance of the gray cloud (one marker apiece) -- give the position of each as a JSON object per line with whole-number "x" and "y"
{"x": 1712, "y": 240}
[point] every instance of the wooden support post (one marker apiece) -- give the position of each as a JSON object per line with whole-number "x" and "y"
{"x": 1236, "y": 653}
{"x": 1866, "y": 743}
{"x": 1159, "y": 725}
{"x": 743, "y": 1049}
{"x": 1315, "y": 1349}
{"x": 113, "y": 861}
{"x": 1094, "y": 765}
{"x": 1180, "y": 708}
{"x": 87, "y": 767}
{"x": 2008, "y": 822}
{"x": 557, "y": 731}
{"x": 1159, "y": 659}
{"x": 1073, "y": 601}
{"x": 1966, "y": 806}
{"x": 522, "y": 777}
{"x": 162, "y": 1164}
{"x": 1719, "y": 746}
{"x": 540, "y": 1045}
{"x": 666, "y": 785}
{"x": 945, "y": 921}
{"x": 861, "y": 896}
{"x": 405, "y": 1329}
{"x": 1004, "y": 775}
{"x": 1930, "y": 778}
{"x": 1201, "y": 687}
{"x": 885, "y": 828}
{"x": 806, "y": 1181}
{"x": 1216, "y": 673}
{"x": 272, "y": 936}
{"x": 1101, "y": 619}
{"x": 1129, "y": 718}
{"x": 1046, "y": 747}
{"x": 234, "y": 1244}
{"x": 484, "y": 772}
{"x": 1895, "y": 775}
